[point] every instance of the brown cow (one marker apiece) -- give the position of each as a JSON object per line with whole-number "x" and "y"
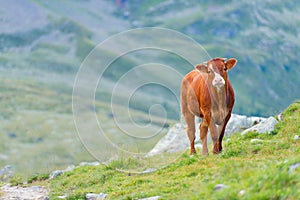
{"x": 207, "y": 93}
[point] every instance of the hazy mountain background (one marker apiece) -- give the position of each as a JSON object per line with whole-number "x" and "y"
{"x": 43, "y": 43}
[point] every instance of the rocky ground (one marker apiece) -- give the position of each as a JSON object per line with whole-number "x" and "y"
{"x": 22, "y": 193}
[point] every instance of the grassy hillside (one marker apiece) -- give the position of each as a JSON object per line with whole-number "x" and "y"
{"x": 250, "y": 170}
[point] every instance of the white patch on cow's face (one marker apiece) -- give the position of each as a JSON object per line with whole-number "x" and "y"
{"x": 218, "y": 80}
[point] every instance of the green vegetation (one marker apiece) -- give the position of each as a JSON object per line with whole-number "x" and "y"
{"x": 249, "y": 170}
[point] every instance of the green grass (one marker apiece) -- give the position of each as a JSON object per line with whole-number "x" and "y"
{"x": 259, "y": 170}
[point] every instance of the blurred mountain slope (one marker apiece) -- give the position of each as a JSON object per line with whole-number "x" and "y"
{"x": 43, "y": 43}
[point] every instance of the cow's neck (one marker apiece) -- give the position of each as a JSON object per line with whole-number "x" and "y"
{"x": 219, "y": 105}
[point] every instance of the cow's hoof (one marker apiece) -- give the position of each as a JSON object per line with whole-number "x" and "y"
{"x": 204, "y": 154}
{"x": 193, "y": 152}
{"x": 216, "y": 152}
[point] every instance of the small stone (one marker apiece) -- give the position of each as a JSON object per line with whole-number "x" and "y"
{"x": 255, "y": 140}
{"x": 60, "y": 172}
{"x": 69, "y": 168}
{"x": 242, "y": 192}
{"x": 296, "y": 137}
{"x": 151, "y": 198}
{"x": 220, "y": 187}
{"x": 92, "y": 196}
{"x": 55, "y": 174}
{"x": 293, "y": 167}
{"x": 280, "y": 117}
{"x": 62, "y": 197}
{"x": 149, "y": 170}
{"x": 89, "y": 163}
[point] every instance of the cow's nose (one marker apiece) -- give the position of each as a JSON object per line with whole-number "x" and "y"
{"x": 218, "y": 81}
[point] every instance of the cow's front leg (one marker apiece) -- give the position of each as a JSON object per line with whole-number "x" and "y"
{"x": 222, "y": 131}
{"x": 214, "y": 133}
{"x": 203, "y": 136}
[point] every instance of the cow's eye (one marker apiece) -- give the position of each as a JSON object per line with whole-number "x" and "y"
{"x": 225, "y": 68}
{"x": 208, "y": 71}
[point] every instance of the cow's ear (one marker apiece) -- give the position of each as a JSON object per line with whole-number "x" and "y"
{"x": 230, "y": 63}
{"x": 201, "y": 67}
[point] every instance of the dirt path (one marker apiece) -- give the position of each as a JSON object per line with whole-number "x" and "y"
{"x": 22, "y": 193}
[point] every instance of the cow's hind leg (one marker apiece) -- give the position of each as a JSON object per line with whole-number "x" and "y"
{"x": 190, "y": 121}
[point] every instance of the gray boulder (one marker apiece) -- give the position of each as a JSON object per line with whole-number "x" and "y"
{"x": 176, "y": 139}
{"x": 92, "y": 196}
{"x": 266, "y": 126}
{"x": 238, "y": 123}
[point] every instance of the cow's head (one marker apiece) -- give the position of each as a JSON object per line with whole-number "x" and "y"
{"x": 216, "y": 70}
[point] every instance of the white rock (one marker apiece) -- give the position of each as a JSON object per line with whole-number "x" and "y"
{"x": 255, "y": 140}
{"x": 69, "y": 168}
{"x": 151, "y": 198}
{"x": 89, "y": 163}
{"x": 92, "y": 196}
{"x": 242, "y": 192}
{"x": 175, "y": 140}
{"x": 280, "y": 117}
{"x": 265, "y": 126}
{"x": 149, "y": 170}
{"x": 293, "y": 167}
{"x": 296, "y": 137}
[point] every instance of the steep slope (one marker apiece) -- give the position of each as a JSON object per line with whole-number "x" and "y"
{"x": 253, "y": 166}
